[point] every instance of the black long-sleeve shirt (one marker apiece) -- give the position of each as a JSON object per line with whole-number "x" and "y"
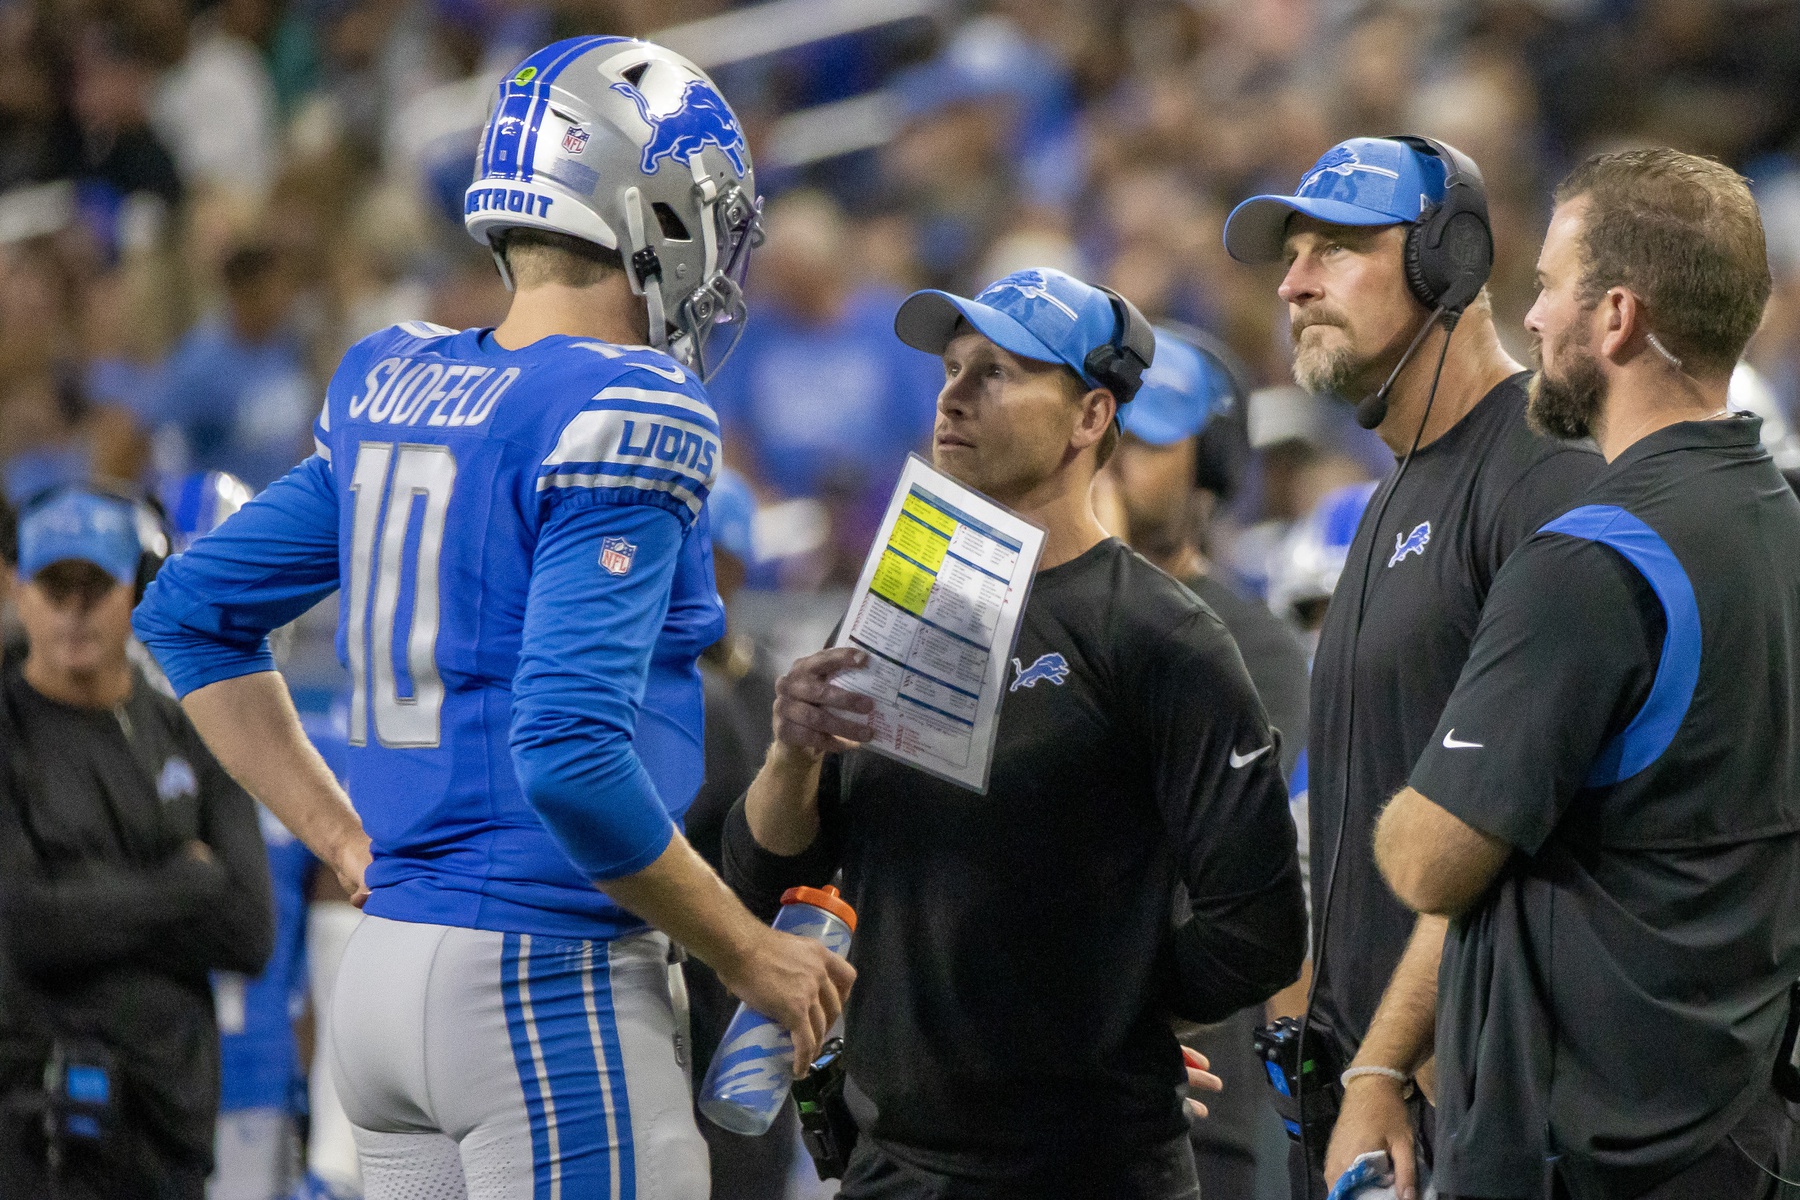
{"x": 111, "y": 926}
{"x": 1019, "y": 954}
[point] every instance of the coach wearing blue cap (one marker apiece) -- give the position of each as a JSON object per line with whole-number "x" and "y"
{"x": 131, "y": 867}
{"x": 1017, "y": 962}
{"x": 1387, "y": 247}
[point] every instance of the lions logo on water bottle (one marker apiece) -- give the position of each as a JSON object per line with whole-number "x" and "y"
{"x": 701, "y": 119}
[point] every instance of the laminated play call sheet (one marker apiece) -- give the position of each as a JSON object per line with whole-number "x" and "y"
{"x": 937, "y": 608}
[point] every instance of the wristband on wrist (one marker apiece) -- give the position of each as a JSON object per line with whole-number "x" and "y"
{"x": 1399, "y": 1077}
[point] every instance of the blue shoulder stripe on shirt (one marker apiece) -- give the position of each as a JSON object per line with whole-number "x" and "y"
{"x": 1644, "y": 740}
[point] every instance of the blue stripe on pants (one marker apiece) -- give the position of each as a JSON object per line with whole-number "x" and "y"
{"x": 560, "y": 1015}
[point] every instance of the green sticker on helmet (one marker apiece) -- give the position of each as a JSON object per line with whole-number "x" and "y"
{"x": 526, "y": 75}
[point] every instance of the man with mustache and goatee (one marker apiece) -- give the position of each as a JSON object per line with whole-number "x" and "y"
{"x": 1388, "y": 246}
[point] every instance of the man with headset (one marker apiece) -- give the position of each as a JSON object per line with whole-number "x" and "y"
{"x": 131, "y": 866}
{"x": 1388, "y": 247}
{"x": 1018, "y": 959}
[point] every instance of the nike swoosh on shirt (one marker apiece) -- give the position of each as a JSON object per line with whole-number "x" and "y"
{"x": 1451, "y": 742}
{"x": 1238, "y": 760}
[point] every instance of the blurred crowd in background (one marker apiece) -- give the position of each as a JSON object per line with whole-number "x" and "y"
{"x": 203, "y": 204}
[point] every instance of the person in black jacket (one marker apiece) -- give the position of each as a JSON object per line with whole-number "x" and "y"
{"x": 1021, "y": 953}
{"x": 130, "y": 867}
{"x": 1180, "y": 432}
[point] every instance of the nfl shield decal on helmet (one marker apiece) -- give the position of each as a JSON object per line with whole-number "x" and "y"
{"x": 616, "y": 554}
{"x": 575, "y": 140}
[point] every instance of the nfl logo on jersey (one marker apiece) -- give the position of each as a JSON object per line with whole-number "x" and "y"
{"x": 616, "y": 554}
{"x": 576, "y": 140}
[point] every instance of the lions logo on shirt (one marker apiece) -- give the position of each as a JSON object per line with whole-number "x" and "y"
{"x": 1411, "y": 543}
{"x": 177, "y": 780}
{"x": 1049, "y": 667}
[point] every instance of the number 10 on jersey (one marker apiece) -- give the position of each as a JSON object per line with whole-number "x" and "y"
{"x": 402, "y": 494}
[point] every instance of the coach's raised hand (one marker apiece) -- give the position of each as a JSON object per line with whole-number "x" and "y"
{"x": 814, "y": 715}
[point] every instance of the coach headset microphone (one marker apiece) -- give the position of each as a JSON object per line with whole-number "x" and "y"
{"x": 1448, "y": 254}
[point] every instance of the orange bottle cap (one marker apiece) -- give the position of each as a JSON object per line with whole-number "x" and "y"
{"x": 826, "y": 898}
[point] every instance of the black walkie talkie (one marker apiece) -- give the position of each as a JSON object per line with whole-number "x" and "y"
{"x": 826, "y": 1126}
{"x": 1307, "y": 1094}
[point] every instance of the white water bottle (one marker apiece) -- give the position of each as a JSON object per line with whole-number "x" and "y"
{"x": 753, "y": 1068}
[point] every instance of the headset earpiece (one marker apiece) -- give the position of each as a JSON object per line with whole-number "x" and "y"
{"x": 1120, "y": 364}
{"x": 1450, "y": 249}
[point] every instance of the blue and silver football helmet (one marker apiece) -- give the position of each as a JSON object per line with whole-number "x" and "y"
{"x": 1311, "y": 558}
{"x": 631, "y": 146}
{"x": 198, "y": 503}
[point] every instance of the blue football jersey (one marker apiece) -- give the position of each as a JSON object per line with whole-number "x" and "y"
{"x": 519, "y": 542}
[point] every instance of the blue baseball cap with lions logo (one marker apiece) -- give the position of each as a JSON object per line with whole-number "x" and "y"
{"x": 78, "y": 524}
{"x": 1183, "y": 390}
{"x": 1041, "y": 314}
{"x": 1364, "y": 181}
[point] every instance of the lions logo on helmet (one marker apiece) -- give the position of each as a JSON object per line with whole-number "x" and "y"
{"x": 578, "y": 142}
{"x": 701, "y": 119}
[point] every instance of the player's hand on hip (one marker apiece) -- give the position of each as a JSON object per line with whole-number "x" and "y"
{"x": 814, "y": 715}
{"x": 1373, "y": 1116}
{"x": 797, "y": 983}
{"x": 1199, "y": 1078}
{"x": 349, "y": 865}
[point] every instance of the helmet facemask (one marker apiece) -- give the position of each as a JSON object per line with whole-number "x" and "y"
{"x": 709, "y": 322}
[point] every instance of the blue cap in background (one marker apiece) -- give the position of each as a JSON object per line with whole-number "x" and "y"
{"x": 1040, "y": 314}
{"x": 1364, "y": 181}
{"x": 81, "y": 525}
{"x": 732, "y": 508}
{"x": 1182, "y": 391}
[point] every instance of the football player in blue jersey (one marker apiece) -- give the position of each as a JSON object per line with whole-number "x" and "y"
{"x": 515, "y": 521}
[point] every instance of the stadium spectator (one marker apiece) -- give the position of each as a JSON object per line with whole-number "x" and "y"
{"x": 1011, "y": 1016}
{"x": 1606, "y": 808}
{"x": 120, "y": 156}
{"x": 1471, "y": 482}
{"x": 1171, "y": 481}
{"x": 132, "y": 868}
{"x": 819, "y": 400}
{"x": 236, "y": 396}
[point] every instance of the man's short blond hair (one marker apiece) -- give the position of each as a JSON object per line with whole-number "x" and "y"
{"x": 535, "y": 257}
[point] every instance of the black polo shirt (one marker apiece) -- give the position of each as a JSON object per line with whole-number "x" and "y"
{"x": 1629, "y": 720}
{"x": 1388, "y": 659}
{"x": 1018, "y": 953}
